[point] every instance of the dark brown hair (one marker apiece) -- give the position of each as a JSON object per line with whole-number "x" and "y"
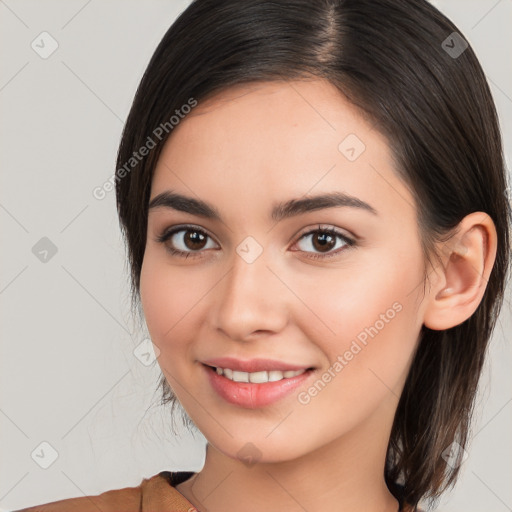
{"x": 395, "y": 61}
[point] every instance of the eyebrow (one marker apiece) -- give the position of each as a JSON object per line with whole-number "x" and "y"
{"x": 280, "y": 211}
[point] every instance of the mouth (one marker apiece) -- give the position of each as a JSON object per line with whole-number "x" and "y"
{"x": 253, "y": 390}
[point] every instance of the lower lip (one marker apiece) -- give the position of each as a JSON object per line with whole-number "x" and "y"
{"x": 253, "y": 396}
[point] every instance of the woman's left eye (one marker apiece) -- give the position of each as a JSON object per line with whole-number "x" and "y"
{"x": 324, "y": 240}
{"x": 194, "y": 239}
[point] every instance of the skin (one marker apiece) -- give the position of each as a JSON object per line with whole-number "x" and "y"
{"x": 243, "y": 150}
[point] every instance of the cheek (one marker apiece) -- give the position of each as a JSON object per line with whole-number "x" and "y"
{"x": 367, "y": 321}
{"x": 173, "y": 299}
{"x": 167, "y": 297}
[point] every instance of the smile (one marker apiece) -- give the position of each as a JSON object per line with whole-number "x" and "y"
{"x": 252, "y": 390}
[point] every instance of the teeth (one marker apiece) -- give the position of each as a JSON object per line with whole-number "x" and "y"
{"x": 257, "y": 377}
{"x": 240, "y": 376}
{"x": 275, "y": 375}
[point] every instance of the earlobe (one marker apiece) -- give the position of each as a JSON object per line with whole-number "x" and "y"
{"x": 463, "y": 277}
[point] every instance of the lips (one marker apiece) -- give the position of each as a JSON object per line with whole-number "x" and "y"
{"x": 253, "y": 395}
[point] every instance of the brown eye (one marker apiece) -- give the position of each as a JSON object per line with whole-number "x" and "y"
{"x": 323, "y": 241}
{"x": 185, "y": 241}
{"x": 194, "y": 240}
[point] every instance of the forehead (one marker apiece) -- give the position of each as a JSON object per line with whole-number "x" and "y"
{"x": 275, "y": 140}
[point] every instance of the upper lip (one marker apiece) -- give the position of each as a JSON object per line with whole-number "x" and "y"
{"x": 253, "y": 365}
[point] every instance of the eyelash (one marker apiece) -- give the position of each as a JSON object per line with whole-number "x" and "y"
{"x": 167, "y": 234}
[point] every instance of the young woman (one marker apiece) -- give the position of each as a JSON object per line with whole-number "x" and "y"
{"x": 312, "y": 195}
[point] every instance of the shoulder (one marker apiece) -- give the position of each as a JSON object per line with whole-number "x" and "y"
{"x": 154, "y": 490}
{"x": 127, "y": 499}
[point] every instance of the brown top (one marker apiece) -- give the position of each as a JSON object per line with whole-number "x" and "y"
{"x": 154, "y": 494}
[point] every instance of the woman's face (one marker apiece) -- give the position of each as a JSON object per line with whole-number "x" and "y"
{"x": 263, "y": 281}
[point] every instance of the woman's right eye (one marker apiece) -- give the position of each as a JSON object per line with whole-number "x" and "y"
{"x": 187, "y": 239}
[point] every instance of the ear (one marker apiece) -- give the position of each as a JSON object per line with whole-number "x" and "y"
{"x": 461, "y": 281}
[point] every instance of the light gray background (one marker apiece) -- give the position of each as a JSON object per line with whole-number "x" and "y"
{"x": 68, "y": 375}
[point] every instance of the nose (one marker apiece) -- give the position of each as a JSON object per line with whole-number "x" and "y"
{"x": 251, "y": 300}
